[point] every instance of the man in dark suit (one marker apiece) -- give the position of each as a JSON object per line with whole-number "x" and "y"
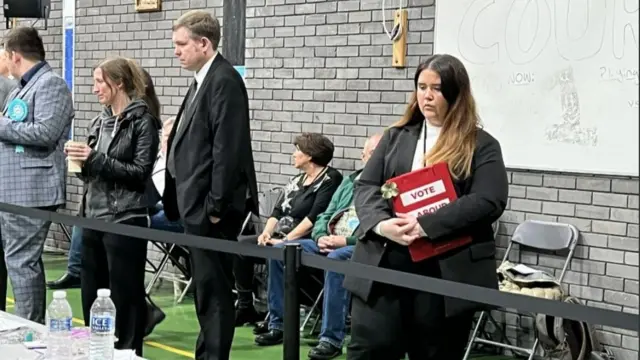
{"x": 210, "y": 179}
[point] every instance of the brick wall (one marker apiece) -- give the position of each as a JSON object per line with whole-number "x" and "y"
{"x": 324, "y": 66}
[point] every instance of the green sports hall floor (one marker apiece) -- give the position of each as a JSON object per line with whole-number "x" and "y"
{"x": 173, "y": 339}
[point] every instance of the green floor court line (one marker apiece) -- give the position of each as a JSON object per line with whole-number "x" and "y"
{"x": 175, "y": 337}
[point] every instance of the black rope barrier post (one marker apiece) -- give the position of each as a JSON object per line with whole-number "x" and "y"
{"x": 291, "y": 336}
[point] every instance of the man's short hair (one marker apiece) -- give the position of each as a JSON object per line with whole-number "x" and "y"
{"x": 25, "y": 41}
{"x": 201, "y": 24}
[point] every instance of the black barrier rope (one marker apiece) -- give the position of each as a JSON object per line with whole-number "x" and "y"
{"x": 422, "y": 283}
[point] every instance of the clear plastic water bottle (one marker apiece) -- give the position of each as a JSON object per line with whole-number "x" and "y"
{"x": 58, "y": 320}
{"x": 103, "y": 327}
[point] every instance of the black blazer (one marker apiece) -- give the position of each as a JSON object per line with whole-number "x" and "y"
{"x": 482, "y": 200}
{"x": 215, "y": 174}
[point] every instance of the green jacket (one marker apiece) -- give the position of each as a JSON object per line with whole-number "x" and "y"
{"x": 340, "y": 202}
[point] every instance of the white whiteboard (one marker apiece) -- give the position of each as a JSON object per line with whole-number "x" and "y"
{"x": 556, "y": 81}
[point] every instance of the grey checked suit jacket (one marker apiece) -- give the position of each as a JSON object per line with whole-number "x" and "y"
{"x": 36, "y": 177}
{"x": 6, "y": 87}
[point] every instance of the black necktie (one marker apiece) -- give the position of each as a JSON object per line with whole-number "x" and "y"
{"x": 191, "y": 94}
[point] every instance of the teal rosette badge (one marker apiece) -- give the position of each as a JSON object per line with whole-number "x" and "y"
{"x": 18, "y": 111}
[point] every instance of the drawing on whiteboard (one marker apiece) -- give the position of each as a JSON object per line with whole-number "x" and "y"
{"x": 590, "y": 42}
{"x": 527, "y": 29}
{"x": 625, "y": 21}
{"x": 570, "y": 131}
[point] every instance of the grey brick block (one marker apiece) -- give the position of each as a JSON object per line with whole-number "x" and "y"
{"x": 631, "y": 286}
{"x": 592, "y": 212}
{"x": 555, "y": 208}
{"x": 624, "y": 243}
{"x": 625, "y": 215}
{"x": 609, "y": 227}
{"x": 606, "y": 282}
{"x": 630, "y": 342}
{"x": 605, "y": 199}
{"x": 526, "y": 205}
{"x": 607, "y": 255}
{"x": 633, "y": 202}
{"x": 595, "y": 184}
{"x": 620, "y": 298}
{"x": 517, "y": 191}
{"x": 575, "y": 196}
{"x": 624, "y": 186}
{"x": 585, "y": 292}
{"x": 537, "y": 193}
{"x": 624, "y": 271}
{"x": 589, "y": 266}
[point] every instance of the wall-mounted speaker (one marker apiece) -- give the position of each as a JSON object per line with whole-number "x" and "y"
{"x": 34, "y": 9}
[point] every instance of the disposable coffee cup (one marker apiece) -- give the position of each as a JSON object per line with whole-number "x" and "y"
{"x": 74, "y": 166}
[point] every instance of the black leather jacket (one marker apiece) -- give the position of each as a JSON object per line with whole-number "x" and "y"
{"x": 117, "y": 174}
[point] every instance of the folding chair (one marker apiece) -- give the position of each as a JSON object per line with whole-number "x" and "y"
{"x": 536, "y": 235}
{"x": 167, "y": 255}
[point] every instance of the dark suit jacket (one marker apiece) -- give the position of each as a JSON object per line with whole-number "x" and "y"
{"x": 482, "y": 200}
{"x": 215, "y": 174}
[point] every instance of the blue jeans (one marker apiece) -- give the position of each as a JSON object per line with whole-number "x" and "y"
{"x": 336, "y": 298}
{"x": 74, "y": 263}
{"x": 160, "y": 222}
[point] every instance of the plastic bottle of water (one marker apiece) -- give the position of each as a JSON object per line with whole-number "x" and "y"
{"x": 58, "y": 320}
{"x": 103, "y": 327}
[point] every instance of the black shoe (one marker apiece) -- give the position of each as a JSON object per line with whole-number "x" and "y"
{"x": 66, "y": 281}
{"x": 261, "y": 328}
{"x": 324, "y": 351}
{"x": 155, "y": 316}
{"x": 273, "y": 337}
{"x": 247, "y": 315}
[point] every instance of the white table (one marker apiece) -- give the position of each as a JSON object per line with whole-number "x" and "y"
{"x": 20, "y": 352}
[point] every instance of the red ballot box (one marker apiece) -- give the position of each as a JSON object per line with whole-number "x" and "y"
{"x": 420, "y": 192}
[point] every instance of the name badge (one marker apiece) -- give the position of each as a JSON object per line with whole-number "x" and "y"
{"x": 17, "y": 110}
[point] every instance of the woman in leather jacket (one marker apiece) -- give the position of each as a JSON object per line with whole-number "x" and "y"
{"x": 118, "y": 160}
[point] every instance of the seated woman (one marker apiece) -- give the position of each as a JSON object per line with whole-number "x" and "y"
{"x": 440, "y": 126}
{"x": 305, "y": 197}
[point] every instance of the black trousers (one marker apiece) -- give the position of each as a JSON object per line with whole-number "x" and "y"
{"x": 117, "y": 262}
{"x": 3, "y": 282}
{"x": 243, "y": 270}
{"x": 396, "y": 322}
{"x": 213, "y": 279}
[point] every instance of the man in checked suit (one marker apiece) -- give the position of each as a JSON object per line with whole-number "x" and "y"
{"x": 210, "y": 182}
{"x": 34, "y": 126}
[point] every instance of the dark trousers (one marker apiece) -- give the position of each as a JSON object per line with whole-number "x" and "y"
{"x": 400, "y": 321}
{"x": 243, "y": 270}
{"x": 117, "y": 262}
{"x": 3, "y": 282}
{"x": 212, "y": 273}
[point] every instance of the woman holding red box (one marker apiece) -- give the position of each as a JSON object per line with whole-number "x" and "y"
{"x": 440, "y": 125}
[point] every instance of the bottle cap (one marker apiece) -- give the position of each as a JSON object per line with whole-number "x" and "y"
{"x": 59, "y": 294}
{"x": 104, "y": 292}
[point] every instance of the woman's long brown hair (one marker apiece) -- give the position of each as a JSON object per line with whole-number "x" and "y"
{"x": 457, "y": 141}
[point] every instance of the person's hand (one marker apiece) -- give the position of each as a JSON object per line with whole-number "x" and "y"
{"x": 273, "y": 241}
{"x": 399, "y": 230}
{"x": 77, "y": 151}
{"x": 263, "y": 238}
{"x": 324, "y": 242}
{"x": 334, "y": 242}
{"x": 417, "y": 230}
{"x": 214, "y": 220}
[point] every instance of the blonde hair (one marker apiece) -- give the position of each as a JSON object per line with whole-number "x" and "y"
{"x": 201, "y": 24}
{"x": 126, "y": 72}
{"x": 457, "y": 141}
